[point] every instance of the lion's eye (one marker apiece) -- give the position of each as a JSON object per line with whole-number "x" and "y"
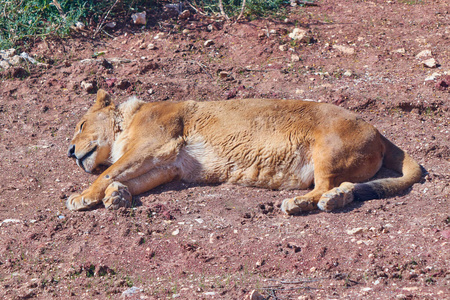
{"x": 81, "y": 126}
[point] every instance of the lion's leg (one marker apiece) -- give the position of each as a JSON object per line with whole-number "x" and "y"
{"x": 132, "y": 165}
{"x": 152, "y": 179}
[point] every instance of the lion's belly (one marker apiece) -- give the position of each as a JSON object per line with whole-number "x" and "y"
{"x": 199, "y": 162}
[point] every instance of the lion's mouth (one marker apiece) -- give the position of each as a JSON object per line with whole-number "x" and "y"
{"x": 82, "y": 159}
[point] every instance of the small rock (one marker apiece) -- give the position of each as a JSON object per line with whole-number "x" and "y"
{"x": 186, "y": 31}
{"x": 423, "y": 54}
{"x": 430, "y": 63}
{"x": 443, "y": 83}
{"x": 208, "y": 43}
{"x": 142, "y": 46}
{"x": 344, "y": 49}
{"x": 107, "y": 64}
{"x": 4, "y": 64}
{"x": 210, "y": 27}
{"x": 255, "y": 295}
{"x": 131, "y": 291}
{"x": 432, "y": 77}
{"x": 158, "y": 36}
{"x": 139, "y": 18}
{"x": 301, "y": 35}
{"x": 110, "y": 25}
{"x": 25, "y": 56}
{"x": 124, "y": 84}
{"x": 176, "y": 232}
{"x": 110, "y": 82}
{"x": 348, "y": 73}
{"x": 151, "y": 47}
{"x": 16, "y": 59}
{"x": 295, "y": 58}
{"x": 283, "y": 47}
{"x": 79, "y": 26}
{"x": 87, "y": 86}
{"x": 7, "y": 53}
{"x": 354, "y": 231}
{"x": 184, "y": 15}
{"x": 400, "y": 51}
{"x": 223, "y": 74}
{"x": 294, "y": 246}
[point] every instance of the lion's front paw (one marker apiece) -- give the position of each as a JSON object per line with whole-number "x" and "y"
{"x": 296, "y": 205}
{"x": 78, "y": 202}
{"x": 337, "y": 197}
{"x": 117, "y": 195}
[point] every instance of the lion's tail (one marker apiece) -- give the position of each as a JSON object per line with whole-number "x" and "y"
{"x": 397, "y": 160}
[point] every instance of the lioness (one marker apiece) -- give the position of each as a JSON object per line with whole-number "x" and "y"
{"x": 275, "y": 144}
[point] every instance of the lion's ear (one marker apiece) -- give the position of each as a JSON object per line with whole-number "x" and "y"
{"x": 103, "y": 99}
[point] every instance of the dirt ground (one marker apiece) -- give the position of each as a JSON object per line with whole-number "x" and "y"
{"x": 222, "y": 242}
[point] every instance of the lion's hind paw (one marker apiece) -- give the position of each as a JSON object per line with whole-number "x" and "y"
{"x": 337, "y": 197}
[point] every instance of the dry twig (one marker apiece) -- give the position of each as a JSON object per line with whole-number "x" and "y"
{"x": 222, "y": 12}
{"x": 99, "y": 27}
{"x": 242, "y": 10}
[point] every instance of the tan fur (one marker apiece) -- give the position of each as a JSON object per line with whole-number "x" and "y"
{"x": 276, "y": 144}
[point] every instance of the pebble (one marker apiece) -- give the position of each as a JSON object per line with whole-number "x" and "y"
{"x": 255, "y": 295}
{"x": 208, "y": 43}
{"x": 186, "y": 31}
{"x": 223, "y": 74}
{"x": 139, "y": 18}
{"x": 131, "y": 291}
{"x": 4, "y": 64}
{"x": 283, "y": 47}
{"x": 344, "y": 49}
{"x": 401, "y": 51}
{"x": 295, "y": 58}
{"x": 423, "y": 54}
{"x": 184, "y": 15}
{"x": 430, "y": 63}
{"x": 433, "y": 77}
{"x": 176, "y": 232}
{"x": 348, "y": 73}
{"x": 354, "y": 231}
{"x": 299, "y": 34}
{"x": 87, "y": 86}
{"x": 110, "y": 24}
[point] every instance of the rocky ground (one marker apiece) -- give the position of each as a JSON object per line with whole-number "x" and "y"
{"x": 389, "y": 61}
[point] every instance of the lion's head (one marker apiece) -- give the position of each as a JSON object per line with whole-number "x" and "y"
{"x": 94, "y": 134}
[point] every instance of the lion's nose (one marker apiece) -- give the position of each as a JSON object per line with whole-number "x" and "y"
{"x": 71, "y": 152}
